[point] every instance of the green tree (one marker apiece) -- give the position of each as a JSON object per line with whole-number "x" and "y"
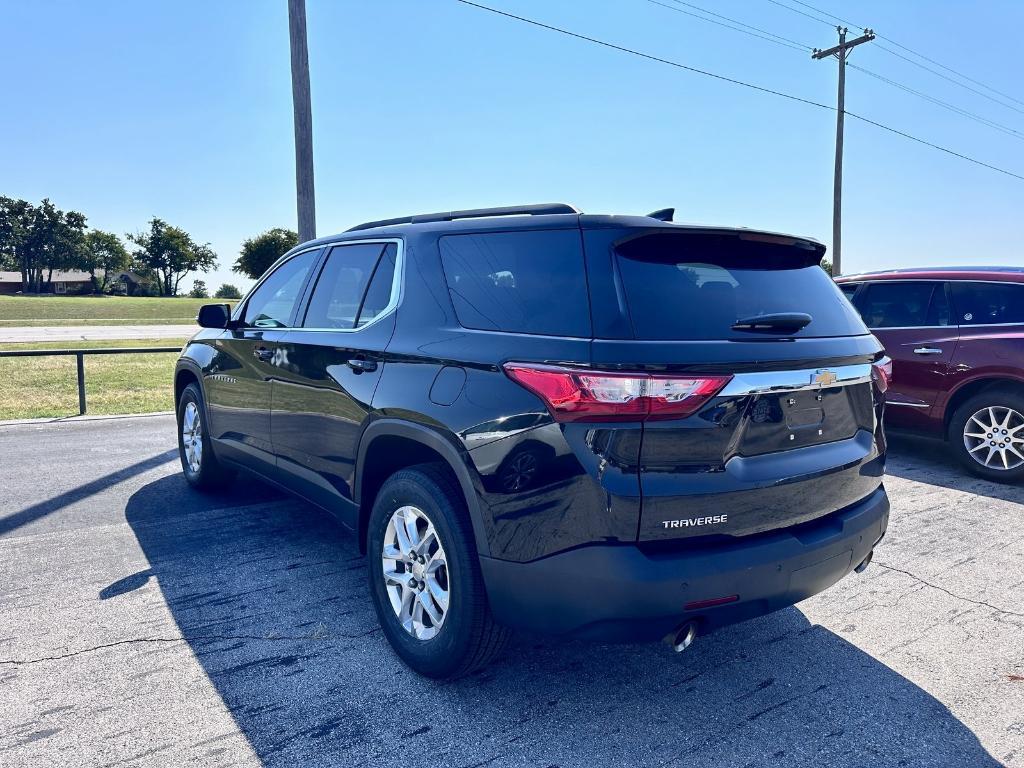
{"x": 168, "y": 254}
{"x": 826, "y": 264}
{"x": 259, "y": 252}
{"x": 103, "y": 252}
{"x": 15, "y": 222}
{"x": 199, "y": 290}
{"x": 228, "y": 291}
{"x": 55, "y": 239}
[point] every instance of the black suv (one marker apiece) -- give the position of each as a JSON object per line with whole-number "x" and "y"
{"x": 611, "y": 427}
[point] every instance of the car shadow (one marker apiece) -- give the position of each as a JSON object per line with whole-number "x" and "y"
{"x": 271, "y": 596}
{"x": 929, "y": 461}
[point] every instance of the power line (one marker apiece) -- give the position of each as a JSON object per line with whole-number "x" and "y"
{"x": 950, "y": 69}
{"x": 793, "y": 44}
{"x": 734, "y": 81}
{"x": 803, "y": 13}
{"x": 748, "y": 29}
{"x": 891, "y": 52}
{"x": 648, "y": 56}
{"x": 910, "y": 51}
{"x": 948, "y": 151}
{"x": 939, "y": 102}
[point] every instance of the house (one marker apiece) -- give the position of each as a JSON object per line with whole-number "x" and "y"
{"x": 61, "y": 282}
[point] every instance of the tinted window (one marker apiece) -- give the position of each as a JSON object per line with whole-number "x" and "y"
{"x": 271, "y": 305}
{"x": 691, "y": 287}
{"x": 524, "y": 282}
{"x": 900, "y": 305}
{"x": 378, "y": 295}
{"x": 849, "y": 289}
{"x": 341, "y": 286}
{"x": 986, "y": 303}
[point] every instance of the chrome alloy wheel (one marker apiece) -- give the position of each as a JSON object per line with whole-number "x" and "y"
{"x": 192, "y": 437}
{"x": 994, "y": 437}
{"x": 415, "y": 572}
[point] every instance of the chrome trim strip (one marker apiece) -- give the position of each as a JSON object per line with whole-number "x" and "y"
{"x": 397, "y": 282}
{"x": 907, "y": 405}
{"x": 794, "y": 381}
{"x": 397, "y": 285}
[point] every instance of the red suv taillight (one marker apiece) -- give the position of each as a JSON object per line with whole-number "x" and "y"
{"x": 881, "y": 372}
{"x": 572, "y": 394}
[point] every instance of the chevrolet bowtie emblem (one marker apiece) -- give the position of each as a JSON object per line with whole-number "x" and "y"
{"x": 823, "y": 378}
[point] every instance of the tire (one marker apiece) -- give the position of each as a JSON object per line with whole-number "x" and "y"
{"x": 467, "y": 637}
{"x": 201, "y": 467}
{"x": 972, "y": 428}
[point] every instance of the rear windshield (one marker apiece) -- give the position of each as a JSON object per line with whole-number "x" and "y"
{"x": 696, "y": 287}
{"x": 520, "y": 282}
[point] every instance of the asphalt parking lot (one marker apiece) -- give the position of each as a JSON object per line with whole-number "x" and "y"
{"x": 144, "y": 624}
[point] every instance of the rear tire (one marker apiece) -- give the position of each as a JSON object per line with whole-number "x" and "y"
{"x": 451, "y": 633}
{"x": 987, "y": 429}
{"x": 199, "y": 463}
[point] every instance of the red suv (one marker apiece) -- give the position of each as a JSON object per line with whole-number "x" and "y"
{"x": 956, "y": 339}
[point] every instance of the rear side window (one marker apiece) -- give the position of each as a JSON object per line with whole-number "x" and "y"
{"x": 903, "y": 305}
{"x": 382, "y": 285}
{"x": 988, "y": 303}
{"x": 521, "y": 282}
{"x": 693, "y": 287}
{"x": 341, "y": 286}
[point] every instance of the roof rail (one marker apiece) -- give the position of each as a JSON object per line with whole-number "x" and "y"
{"x": 473, "y": 213}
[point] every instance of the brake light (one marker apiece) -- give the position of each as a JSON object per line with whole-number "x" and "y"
{"x": 881, "y": 372}
{"x": 580, "y": 395}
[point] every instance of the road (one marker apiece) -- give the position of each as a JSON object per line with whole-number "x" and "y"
{"x": 145, "y": 624}
{"x": 94, "y": 332}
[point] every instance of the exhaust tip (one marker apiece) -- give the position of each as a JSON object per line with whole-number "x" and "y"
{"x": 684, "y": 636}
{"x": 865, "y": 562}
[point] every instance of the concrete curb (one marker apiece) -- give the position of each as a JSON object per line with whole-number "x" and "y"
{"x": 72, "y": 419}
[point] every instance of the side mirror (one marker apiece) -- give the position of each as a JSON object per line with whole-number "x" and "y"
{"x": 214, "y": 316}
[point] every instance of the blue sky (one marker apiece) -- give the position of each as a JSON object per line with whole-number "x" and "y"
{"x": 126, "y": 110}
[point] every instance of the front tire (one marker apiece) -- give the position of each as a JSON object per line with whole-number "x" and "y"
{"x": 987, "y": 434}
{"x": 425, "y": 577}
{"x": 201, "y": 467}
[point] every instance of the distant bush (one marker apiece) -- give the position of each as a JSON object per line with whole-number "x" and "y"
{"x": 228, "y": 291}
{"x": 199, "y": 290}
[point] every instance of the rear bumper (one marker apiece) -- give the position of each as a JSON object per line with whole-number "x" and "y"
{"x": 623, "y": 593}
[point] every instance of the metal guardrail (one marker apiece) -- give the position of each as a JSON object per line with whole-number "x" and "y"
{"x": 80, "y": 359}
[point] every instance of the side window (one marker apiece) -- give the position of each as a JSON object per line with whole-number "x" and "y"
{"x": 521, "y": 282}
{"x": 378, "y": 295}
{"x": 341, "y": 286}
{"x": 272, "y": 304}
{"x": 891, "y": 304}
{"x": 849, "y": 289}
{"x": 988, "y": 303}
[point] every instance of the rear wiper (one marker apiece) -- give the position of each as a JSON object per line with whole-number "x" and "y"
{"x": 778, "y": 322}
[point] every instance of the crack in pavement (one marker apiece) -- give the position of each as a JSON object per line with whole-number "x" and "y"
{"x": 951, "y": 594}
{"x": 195, "y": 638}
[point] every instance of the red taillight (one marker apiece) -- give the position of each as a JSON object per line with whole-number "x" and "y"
{"x": 578, "y": 395}
{"x": 881, "y": 372}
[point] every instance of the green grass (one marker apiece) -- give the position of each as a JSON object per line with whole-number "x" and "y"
{"x": 98, "y": 310}
{"x": 33, "y": 387}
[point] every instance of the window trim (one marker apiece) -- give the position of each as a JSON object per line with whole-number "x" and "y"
{"x": 397, "y": 281}
{"x": 240, "y": 308}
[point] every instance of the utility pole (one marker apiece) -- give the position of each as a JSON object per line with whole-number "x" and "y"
{"x": 841, "y": 52}
{"x": 303, "y": 117}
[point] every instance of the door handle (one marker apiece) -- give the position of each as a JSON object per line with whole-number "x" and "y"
{"x": 262, "y": 354}
{"x": 927, "y": 351}
{"x": 359, "y": 366}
